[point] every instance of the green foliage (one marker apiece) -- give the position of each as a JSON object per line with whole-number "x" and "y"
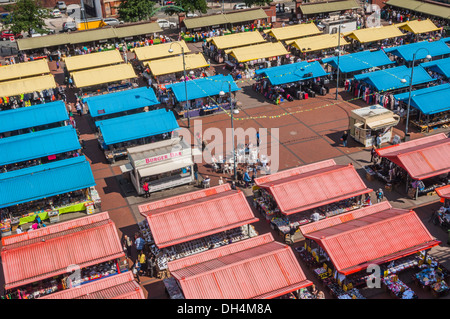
{"x": 250, "y": 3}
{"x": 135, "y": 10}
{"x": 189, "y": 6}
{"x": 26, "y": 15}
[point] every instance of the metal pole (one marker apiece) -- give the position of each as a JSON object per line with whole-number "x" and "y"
{"x": 409, "y": 97}
{"x": 338, "y": 59}
{"x": 232, "y": 132}
{"x": 185, "y": 86}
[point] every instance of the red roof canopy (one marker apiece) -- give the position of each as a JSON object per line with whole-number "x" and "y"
{"x": 421, "y": 158}
{"x": 371, "y": 235}
{"x": 258, "y": 267}
{"x": 195, "y": 215}
{"x": 444, "y": 191}
{"x": 47, "y": 252}
{"x": 313, "y": 185}
{"x": 121, "y": 286}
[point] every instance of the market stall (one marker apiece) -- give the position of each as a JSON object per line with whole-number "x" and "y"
{"x": 343, "y": 247}
{"x": 374, "y": 37}
{"x": 307, "y": 194}
{"x": 153, "y": 52}
{"x": 316, "y": 47}
{"x": 272, "y": 265}
{"x": 323, "y": 9}
{"x": 440, "y": 69}
{"x": 417, "y": 29}
{"x": 211, "y": 218}
{"x": 91, "y": 61}
{"x": 301, "y": 30}
{"x": 432, "y": 276}
{"x": 24, "y": 70}
{"x": 367, "y": 122}
{"x": 203, "y": 95}
{"x": 419, "y": 51}
{"x": 119, "y": 133}
{"x": 97, "y": 259}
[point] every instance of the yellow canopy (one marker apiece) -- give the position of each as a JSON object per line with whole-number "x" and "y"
{"x": 294, "y": 31}
{"x": 375, "y": 34}
{"x": 258, "y": 51}
{"x": 316, "y": 43}
{"x": 417, "y": 26}
{"x": 160, "y": 50}
{"x": 237, "y": 40}
{"x": 107, "y": 74}
{"x": 175, "y": 64}
{"x": 92, "y": 60}
{"x": 28, "y": 85}
{"x": 25, "y": 69}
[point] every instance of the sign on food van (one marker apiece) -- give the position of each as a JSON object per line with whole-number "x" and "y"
{"x": 158, "y": 158}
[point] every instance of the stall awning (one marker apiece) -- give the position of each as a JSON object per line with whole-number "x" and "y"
{"x": 441, "y": 66}
{"x": 121, "y": 101}
{"x": 51, "y": 40}
{"x": 135, "y": 126}
{"x": 206, "y": 21}
{"x": 422, "y": 7}
{"x": 421, "y": 158}
{"x": 246, "y": 15}
{"x": 418, "y": 26}
{"x": 431, "y": 100}
{"x": 84, "y": 242}
{"x": 152, "y": 52}
{"x": 165, "y": 167}
{"x": 391, "y": 79}
{"x": 28, "y": 85}
{"x": 121, "y": 286}
{"x": 443, "y": 192}
{"x": 372, "y": 235}
{"x": 38, "y": 144}
{"x": 258, "y": 51}
{"x": 375, "y": 34}
{"x": 32, "y": 116}
{"x": 310, "y": 186}
{"x": 92, "y": 60}
{"x": 317, "y": 43}
{"x": 420, "y": 49}
{"x": 324, "y": 7}
{"x": 175, "y": 64}
{"x": 359, "y": 61}
{"x": 196, "y": 215}
{"x": 236, "y": 40}
{"x": 289, "y": 73}
{"x": 37, "y": 182}
{"x": 224, "y": 272}
{"x": 294, "y": 31}
{"x": 203, "y": 87}
{"x": 104, "y": 33}
{"x": 107, "y": 74}
{"x": 23, "y": 70}
{"x": 135, "y": 29}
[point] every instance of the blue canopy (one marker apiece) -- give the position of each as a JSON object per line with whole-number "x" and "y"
{"x": 289, "y": 73}
{"x": 434, "y": 99}
{"x": 422, "y": 49}
{"x": 39, "y": 144}
{"x": 46, "y": 180}
{"x": 390, "y": 79}
{"x": 135, "y": 126}
{"x": 441, "y": 66}
{"x": 121, "y": 101}
{"x": 32, "y": 116}
{"x": 359, "y": 61}
{"x": 445, "y": 39}
{"x": 203, "y": 87}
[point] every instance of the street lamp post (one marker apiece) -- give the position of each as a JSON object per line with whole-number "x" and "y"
{"x": 338, "y": 59}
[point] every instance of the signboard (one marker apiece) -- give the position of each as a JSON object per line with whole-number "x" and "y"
{"x": 158, "y": 158}
{"x": 89, "y": 208}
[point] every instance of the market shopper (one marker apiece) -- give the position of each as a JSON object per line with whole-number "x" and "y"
{"x": 143, "y": 262}
{"x": 139, "y": 242}
{"x": 344, "y": 138}
{"x": 247, "y": 179}
{"x": 146, "y": 190}
{"x": 380, "y": 195}
{"x": 373, "y": 155}
{"x": 127, "y": 245}
{"x": 151, "y": 264}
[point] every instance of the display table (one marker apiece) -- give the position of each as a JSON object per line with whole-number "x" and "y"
{"x": 78, "y": 207}
{"x": 398, "y": 288}
{"x": 424, "y": 128}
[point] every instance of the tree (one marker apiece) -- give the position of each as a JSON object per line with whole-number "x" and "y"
{"x": 250, "y": 3}
{"x": 26, "y": 15}
{"x": 189, "y": 6}
{"x": 135, "y": 10}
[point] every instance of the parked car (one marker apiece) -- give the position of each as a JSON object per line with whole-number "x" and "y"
{"x": 61, "y": 5}
{"x": 163, "y": 23}
{"x": 240, "y": 6}
{"x": 56, "y": 13}
{"x": 191, "y": 15}
{"x": 34, "y": 33}
{"x": 6, "y": 35}
{"x": 69, "y": 26}
{"x": 112, "y": 21}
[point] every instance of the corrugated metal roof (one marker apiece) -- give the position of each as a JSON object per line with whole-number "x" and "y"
{"x": 236, "y": 40}
{"x": 255, "y": 268}
{"x": 421, "y": 158}
{"x": 27, "y": 85}
{"x": 444, "y": 192}
{"x": 92, "y": 60}
{"x": 376, "y": 235}
{"x": 84, "y": 242}
{"x": 121, "y": 286}
{"x": 315, "y": 188}
{"x": 294, "y": 31}
{"x": 161, "y": 50}
{"x": 32, "y": 116}
{"x": 106, "y": 74}
{"x": 218, "y": 210}
{"x": 38, "y": 144}
{"x": 24, "y": 69}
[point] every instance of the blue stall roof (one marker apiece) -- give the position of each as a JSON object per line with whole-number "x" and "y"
{"x": 45, "y": 180}
{"x": 32, "y": 116}
{"x": 289, "y": 73}
{"x": 446, "y": 40}
{"x": 116, "y": 102}
{"x": 431, "y": 100}
{"x": 441, "y": 66}
{"x": 390, "y": 79}
{"x": 359, "y": 61}
{"x": 39, "y": 144}
{"x": 135, "y": 126}
{"x": 203, "y": 87}
{"x": 422, "y": 49}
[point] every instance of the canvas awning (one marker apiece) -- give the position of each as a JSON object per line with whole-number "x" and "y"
{"x": 324, "y": 7}
{"x": 92, "y": 60}
{"x": 431, "y": 100}
{"x": 258, "y": 51}
{"x": 102, "y": 75}
{"x": 294, "y": 31}
{"x": 24, "y": 69}
{"x": 314, "y": 185}
{"x": 50, "y": 40}
{"x": 93, "y": 35}
{"x": 28, "y": 85}
{"x": 224, "y": 272}
{"x": 421, "y": 158}
{"x": 236, "y": 40}
{"x": 84, "y": 242}
{"x": 135, "y": 29}
{"x": 422, "y": 7}
{"x": 418, "y": 26}
{"x": 420, "y": 50}
{"x": 161, "y": 50}
{"x": 441, "y": 66}
{"x": 317, "y": 43}
{"x": 359, "y": 61}
{"x": 290, "y": 73}
{"x": 375, "y": 34}
{"x": 197, "y": 214}
{"x": 444, "y": 192}
{"x": 175, "y": 64}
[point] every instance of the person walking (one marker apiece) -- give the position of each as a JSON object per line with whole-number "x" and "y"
{"x": 344, "y": 138}
{"x": 379, "y": 195}
{"x": 143, "y": 262}
{"x": 247, "y": 179}
{"x": 257, "y": 139}
{"x": 139, "y": 242}
{"x": 127, "y": 245}
{"x": 151, "y": 264}
{"x": 220, "y": 180}
{"x": 146, "y": 190}
{"x": 373, "y": 155}
{"x": 79, "y": 109}
{"x": 378, "y": 141}
{"x": 196, "y": 172}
